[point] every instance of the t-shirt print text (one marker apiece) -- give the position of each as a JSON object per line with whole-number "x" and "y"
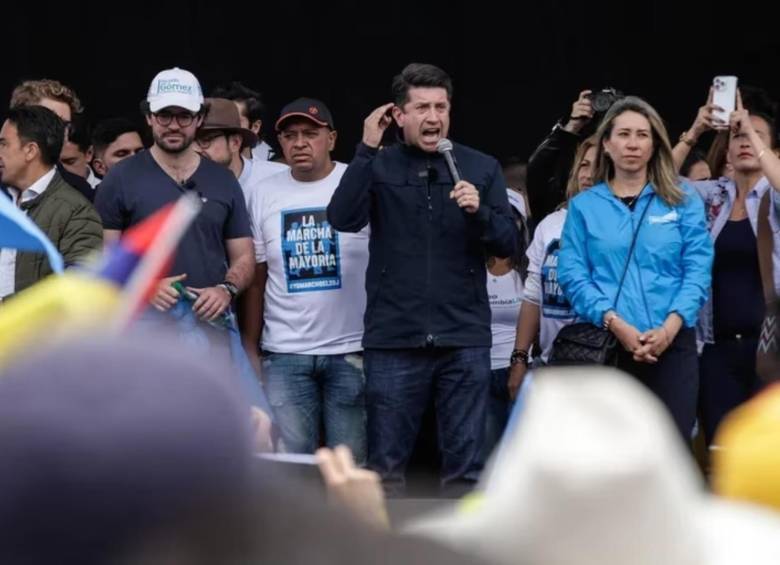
{"x": 310, "y": 251}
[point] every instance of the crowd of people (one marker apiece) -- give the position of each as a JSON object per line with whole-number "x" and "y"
{"x": 421, "y": 274}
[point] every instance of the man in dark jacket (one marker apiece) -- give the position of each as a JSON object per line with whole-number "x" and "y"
{"x": 30, "y": 144}
{"x": 427, "y": 320}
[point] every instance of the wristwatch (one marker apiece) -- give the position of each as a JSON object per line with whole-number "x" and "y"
{"x": 230, "y": 287}
{"x": 519, "y": 356}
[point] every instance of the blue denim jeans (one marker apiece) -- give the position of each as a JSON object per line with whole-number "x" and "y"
{"x": 222, "y": 346}
{"x": 399, "y": 384}
{"x": 310, "y": 393}
{"x": 499, "y": 406}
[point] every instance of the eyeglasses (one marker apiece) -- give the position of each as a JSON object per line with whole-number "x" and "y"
{"x": 184, "y": 119}
{"x": 206, "y": 140}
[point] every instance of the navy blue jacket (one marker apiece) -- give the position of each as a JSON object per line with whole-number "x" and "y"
{"x": 426, "y": 281}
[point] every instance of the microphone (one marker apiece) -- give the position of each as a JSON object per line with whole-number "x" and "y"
{"x": 444, "y": 146}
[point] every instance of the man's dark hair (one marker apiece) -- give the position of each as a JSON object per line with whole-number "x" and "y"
{"x": 39, "y": 125}
{"x": 419, "y": 75}
{"x": 79, "y": 133}
{"x": 255, "y": 110}
{"x": 107, "y": 131}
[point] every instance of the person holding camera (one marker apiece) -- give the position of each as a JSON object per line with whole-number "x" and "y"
{"x": 730, "y": 329}
{"x": 551, "y": 162}
{"x": 638, "y": 219}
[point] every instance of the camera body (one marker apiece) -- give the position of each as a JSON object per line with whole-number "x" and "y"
{"x": 602, "y": 100}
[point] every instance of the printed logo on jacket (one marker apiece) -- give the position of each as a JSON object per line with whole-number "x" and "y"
{"x": 310, "y": 250}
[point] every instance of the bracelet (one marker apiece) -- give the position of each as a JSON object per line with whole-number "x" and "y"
{"x": 609, "y": 318}
{"x": 519, "y": 356}
{"x": 686, "y": 140}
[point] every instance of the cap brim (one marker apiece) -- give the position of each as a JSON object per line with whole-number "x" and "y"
{"x": 249, "y": 137}
{"x": 299, "y": 115}
{"x": 174, "y": 100}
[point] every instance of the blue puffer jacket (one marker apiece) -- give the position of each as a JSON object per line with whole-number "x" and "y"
{"x": 670, "y": 270}
{"x": 426, "y": 282}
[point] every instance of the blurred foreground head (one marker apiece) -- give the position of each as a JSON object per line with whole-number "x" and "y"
{"x": 746, "y": 461}
{"x": 109, "y": 446}
{"x": 138, "y": 452}
{"x": 595, "y": 474}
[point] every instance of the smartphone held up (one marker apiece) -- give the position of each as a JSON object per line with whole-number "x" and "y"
{"x": 724, "y": 95}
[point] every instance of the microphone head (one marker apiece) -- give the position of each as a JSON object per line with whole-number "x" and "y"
{"x": 444, "y": 145}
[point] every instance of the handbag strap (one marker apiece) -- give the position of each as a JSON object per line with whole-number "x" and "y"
{"x": 765, "y": 248}
{"x": 631, "y": 250}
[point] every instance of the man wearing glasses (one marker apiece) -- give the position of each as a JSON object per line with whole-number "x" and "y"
{"x": 215, "y": 258}
{"x": 222, "y": 138}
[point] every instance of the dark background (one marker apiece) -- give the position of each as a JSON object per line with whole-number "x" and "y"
{"x": 516, "y": 67}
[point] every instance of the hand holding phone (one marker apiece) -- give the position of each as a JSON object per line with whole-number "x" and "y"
{"x": 724, "y": 95}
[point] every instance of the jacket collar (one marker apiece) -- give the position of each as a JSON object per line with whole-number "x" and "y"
{"x": 51, "y": 188}
{"x": 414, "y": 151}
{"x": 603, "y": 190}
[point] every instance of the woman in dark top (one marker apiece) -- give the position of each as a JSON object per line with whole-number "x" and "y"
{"x": 730, "y": 322}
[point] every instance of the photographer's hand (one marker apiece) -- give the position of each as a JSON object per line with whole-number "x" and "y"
{"x": 581, "y": 113}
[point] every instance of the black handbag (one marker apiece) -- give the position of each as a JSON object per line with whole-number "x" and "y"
{"x": 584, "y": 343}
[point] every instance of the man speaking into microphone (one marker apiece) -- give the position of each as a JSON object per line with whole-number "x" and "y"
{"x": 427, "y": 319}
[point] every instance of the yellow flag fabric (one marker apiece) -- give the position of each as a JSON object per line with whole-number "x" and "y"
{"x": 56, "y": 308}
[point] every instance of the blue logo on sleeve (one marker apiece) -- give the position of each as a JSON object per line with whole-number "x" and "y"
{"x": 310, "y": 251}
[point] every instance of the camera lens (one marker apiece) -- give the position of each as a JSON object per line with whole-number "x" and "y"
{"x": 602, "y": 101}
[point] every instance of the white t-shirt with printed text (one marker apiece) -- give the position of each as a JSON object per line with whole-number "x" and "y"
{"x": 505, "y": 293}
{"x": 315, "y": 293}
{"x": 542, "y": 286}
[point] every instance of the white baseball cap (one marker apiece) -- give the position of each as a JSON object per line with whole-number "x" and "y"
{"x": 175, "y": 87}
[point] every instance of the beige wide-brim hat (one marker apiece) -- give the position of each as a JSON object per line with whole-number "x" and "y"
{"x": 595, "y": 474}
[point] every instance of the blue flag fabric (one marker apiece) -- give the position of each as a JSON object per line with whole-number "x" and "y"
{"x": 17, "y": 231}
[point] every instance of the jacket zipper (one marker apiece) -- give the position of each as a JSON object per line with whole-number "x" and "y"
{"x": 639, "y": 274}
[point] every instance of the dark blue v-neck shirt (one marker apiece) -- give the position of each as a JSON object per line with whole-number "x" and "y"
{"x": 137, "y": 187}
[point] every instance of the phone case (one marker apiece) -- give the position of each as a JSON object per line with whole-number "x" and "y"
{"x": 725, "y": 96}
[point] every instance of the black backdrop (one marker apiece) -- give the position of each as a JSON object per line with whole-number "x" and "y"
{"x": 516, "y": 66}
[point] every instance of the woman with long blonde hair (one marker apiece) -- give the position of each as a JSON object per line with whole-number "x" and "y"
{"x": 652, "y": 311}
{"x": 545, "y": 309}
